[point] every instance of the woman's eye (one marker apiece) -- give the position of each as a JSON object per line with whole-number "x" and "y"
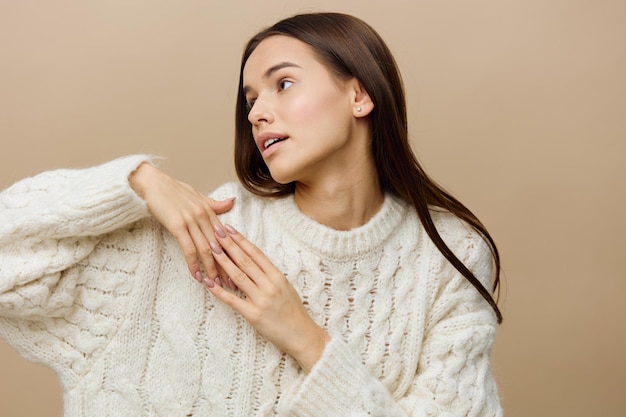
{"x": 285, "y": 84}
{"x": 249, "y": 105}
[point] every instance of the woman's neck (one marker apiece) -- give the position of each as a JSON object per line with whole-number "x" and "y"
{"x": 342, "y": 203}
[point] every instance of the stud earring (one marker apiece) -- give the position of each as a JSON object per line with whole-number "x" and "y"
{"x": 358, "y": 109}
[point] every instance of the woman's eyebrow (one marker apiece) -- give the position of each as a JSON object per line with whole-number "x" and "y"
{"x": 279, "y": 66}
{"x": 271, "y": 70}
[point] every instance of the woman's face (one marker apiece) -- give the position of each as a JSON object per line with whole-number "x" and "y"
{"x": 303, "y": 118}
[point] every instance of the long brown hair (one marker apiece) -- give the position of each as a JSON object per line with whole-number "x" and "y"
{"x": 350, "y": 47}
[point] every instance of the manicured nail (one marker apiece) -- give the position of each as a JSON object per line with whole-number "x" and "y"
{"x": 230, "y": 229}
{"x": 215, "y": 248}
{"x": 232, "y": 284}
{"x": 218, "y": 281}
{"x": 219, "y": 231}
{"x": 198, "y": 276}
{"x": 209, "y": 283}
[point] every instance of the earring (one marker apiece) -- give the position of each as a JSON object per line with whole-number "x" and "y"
{"x": 358, "y": 109}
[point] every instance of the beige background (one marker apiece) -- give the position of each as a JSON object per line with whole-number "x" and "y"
{"x": 518, "y": 107}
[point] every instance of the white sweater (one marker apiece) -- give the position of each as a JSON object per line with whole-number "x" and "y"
{"x": 93, "y": 287}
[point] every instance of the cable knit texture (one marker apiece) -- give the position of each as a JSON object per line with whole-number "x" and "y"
{"x": 93, "y": 287}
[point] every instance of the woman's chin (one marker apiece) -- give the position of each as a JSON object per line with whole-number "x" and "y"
{"x": 281, "y": 176}
{"x": 281, "y": 180}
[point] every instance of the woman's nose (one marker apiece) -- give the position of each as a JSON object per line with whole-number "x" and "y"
{"x": 260, "y": 113}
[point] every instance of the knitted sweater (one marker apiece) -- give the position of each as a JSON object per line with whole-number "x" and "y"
{"x": 93, "y": 287}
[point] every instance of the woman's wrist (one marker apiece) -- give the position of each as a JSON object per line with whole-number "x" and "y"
{"x": 313, "y": 351}
{"x": 137, "y": 179}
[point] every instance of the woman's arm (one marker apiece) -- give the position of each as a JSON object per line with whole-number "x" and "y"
{"x": 53, "y": 220}
{"x": 186, "y": 213}
{"x": 453, "y": 377}
{"x": 271, "y": 304}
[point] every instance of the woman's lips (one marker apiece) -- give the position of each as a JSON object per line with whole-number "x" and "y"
{"x": 268, "y": 141}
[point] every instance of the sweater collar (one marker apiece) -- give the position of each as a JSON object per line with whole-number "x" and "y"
{"x": 338, "y": 244}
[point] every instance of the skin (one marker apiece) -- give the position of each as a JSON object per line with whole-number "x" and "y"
{"x": 186, "y": 213}
{"x": 327, "y": 154}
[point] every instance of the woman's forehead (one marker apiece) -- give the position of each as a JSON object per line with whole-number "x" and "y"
{"x": 273, "y": 51}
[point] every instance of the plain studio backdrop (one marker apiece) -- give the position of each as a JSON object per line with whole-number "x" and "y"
{"x": 518, "y": 107}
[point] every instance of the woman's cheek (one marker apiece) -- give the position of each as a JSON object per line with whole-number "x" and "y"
{"x": 303, "y": 109}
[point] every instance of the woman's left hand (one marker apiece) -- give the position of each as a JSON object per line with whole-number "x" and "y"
{"x": 271, "y": 304}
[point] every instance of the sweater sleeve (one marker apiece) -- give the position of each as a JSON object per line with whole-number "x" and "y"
{"x": 453, "y": 377}
{"x": 50, "y": 222}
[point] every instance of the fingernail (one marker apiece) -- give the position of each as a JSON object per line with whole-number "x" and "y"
{"x": 219, "y": 231}
{"x": 209, "y": 283}
{"x": 198, "y": 276}
{"x": 230, "y": 229}
{"x": 218, "y": 281}
{"x": 215, "y": 248}
{"x": 232, "y": 284}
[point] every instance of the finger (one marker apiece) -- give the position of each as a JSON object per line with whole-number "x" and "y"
{"x": 239, "y": 256}
{"x": 203, "y": 251}
{"x": 232, "y": 300}
{"x": 231, "y": 284}
{"x": 221, "y": 206}
{"x": 204, "y": 218}
{"x": 236, "y": 274}
{"x": 252, "y": 251}
{"x": 206, "y": 227}
{"x": 246, "y": 259}
{"x": 208, "y": 231}
{"x": 189, "y": 252}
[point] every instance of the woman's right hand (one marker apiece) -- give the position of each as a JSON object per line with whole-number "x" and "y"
{"x": 186, "y": 213}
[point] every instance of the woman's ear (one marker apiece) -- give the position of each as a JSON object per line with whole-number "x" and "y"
{"x": 362, "y": 104}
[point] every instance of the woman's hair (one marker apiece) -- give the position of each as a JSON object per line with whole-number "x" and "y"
{"x": 349, "y": 47}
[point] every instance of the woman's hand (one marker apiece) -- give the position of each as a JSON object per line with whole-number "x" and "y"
{"x": 270, "y": 302}
{"x": 187, "y": 214}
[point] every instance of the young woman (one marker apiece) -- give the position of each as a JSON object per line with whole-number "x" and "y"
{"x": 336, "y": 280}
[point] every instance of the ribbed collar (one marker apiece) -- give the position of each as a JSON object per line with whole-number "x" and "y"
{"x": 339, "y": 244}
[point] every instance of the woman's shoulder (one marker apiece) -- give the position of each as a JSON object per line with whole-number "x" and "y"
{"x": 236, "y": 191}
{"x": 247, "y": 209}
{"x": 231, "y": 189}
{"x": 453, "y": 230}
{"x": 464, "y": 241}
